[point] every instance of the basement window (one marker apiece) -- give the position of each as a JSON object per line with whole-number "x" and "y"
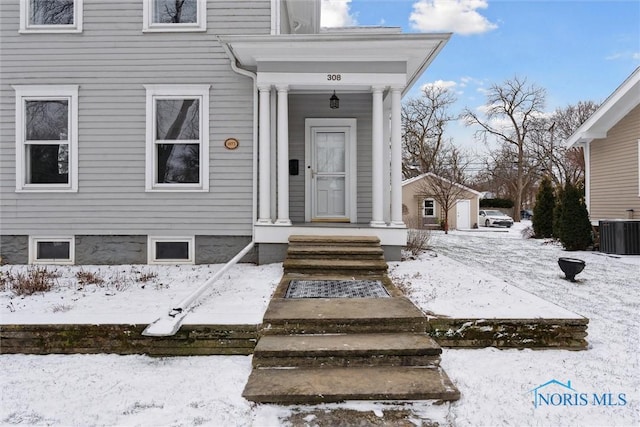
{"x": 59, "y": 250}
{"x": 171, "y": 250}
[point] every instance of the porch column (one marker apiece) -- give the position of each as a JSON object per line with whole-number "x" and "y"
{"x": 396, "y": 158}
{"x": 283, "y": 156}
{"x": 264, "y": 155}
{"x": 377, "y": 214}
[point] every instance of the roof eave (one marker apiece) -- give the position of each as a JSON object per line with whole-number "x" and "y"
{"x": 624, "y": 99}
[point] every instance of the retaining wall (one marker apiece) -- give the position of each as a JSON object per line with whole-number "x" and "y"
{"x": 510, "y": 333}
{"x": 194, "y": 340}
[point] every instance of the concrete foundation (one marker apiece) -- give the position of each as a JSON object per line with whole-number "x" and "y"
{"x": 220, "y": 249}
{"x": 269, "y": 253}
{"x": 14, "y": 249}
{"x": 111, "y": 250}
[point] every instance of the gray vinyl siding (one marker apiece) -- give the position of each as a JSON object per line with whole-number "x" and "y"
{"x": 111, "y": 60}
{"x": 301, "y": 107}
{"x": 614, "y": 170}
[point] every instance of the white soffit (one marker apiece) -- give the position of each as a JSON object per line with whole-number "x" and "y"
{"x": 416, "y": 50}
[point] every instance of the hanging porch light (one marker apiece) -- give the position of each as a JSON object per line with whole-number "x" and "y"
{"x": 334, "y": 101}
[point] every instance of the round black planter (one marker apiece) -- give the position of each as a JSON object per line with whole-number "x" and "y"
{"x": 570, "y": 267}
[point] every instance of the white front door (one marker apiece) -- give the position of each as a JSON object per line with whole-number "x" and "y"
{"x": 463, "y": 214}
{"x": 330, "y": 159}
{"x": 328, "y": 174}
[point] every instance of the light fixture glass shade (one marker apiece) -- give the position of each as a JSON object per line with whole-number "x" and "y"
{"x": 334, "y": 101}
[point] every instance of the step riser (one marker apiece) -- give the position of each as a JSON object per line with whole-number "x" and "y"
{"x": 318, "y": 385}
{"x": 332, "y": 264}
{"x": 339, "y": 257}
{"x": 360, "y": 273}
{"x": 344, "y": 361}
{"x": 331, "y": 327}
{"x": 333, "y": 246}
{"x": 292, "y": 399}
{"x": 333, "y": 240}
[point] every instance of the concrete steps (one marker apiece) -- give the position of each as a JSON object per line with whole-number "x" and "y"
{"x": 318, "y": 385}
{"x": 345, "y": 350}
{"x": 333, "y": 252}
{"x": 339, "y": 266}
{"x": 338, "y": 254}
{"x": 342, "y": 315}
{"x": 314, "y": 350}
{"x": 371, "y": 241}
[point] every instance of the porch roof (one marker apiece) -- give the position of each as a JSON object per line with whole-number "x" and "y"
{"x": 417, "y": 51}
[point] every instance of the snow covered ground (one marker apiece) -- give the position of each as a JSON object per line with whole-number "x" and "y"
{"x": 482, "y": 273}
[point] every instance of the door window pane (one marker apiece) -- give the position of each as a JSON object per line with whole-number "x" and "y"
{"x": 330, "y": 152}
{"x": 51, "y": 12}
{"x": 175, "y": 11}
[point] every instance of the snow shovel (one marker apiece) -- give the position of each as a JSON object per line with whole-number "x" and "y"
{"x": 169, "y": 324}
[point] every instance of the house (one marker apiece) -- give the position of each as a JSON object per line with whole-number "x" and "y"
{"x": 422, "y": 198}
{"x": 153, "y": 131}
{"x": 610, "y": 139}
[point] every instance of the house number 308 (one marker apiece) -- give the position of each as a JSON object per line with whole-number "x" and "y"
{"x": 334, "y": 77}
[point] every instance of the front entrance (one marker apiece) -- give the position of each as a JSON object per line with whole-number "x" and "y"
{"x": 330, "y": 170}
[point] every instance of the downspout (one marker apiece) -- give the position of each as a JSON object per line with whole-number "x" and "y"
{"x": 169, "y": 324}
{"x": 253, "y": 76}
{"x": 586, "y": 149}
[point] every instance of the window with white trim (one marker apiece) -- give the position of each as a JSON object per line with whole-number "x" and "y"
{"x": 177, "y": 138}
{"x": 51, "y": 250}
{"x": 171, "y": 250}
{"x": 174, "y": 15}
{"x": 46, "y": 138}
{"x": 50, "y": 16}
{"x": 428, "y": 208}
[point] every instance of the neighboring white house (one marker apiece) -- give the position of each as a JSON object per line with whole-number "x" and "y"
{"x": 421, "y": 206}
{"x": 133, "y": 132}
{"x": 611, "y": 142}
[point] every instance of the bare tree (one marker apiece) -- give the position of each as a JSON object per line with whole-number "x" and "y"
{"x": 500, "y": 174}
{"x": 560, "y": 163}
{"x": 445, "y": 184}
{"x": 513, "y": 111}
{"x": 424, "y": 120}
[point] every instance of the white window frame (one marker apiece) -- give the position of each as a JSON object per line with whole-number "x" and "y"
{"x": 424, "y": 208}
{"x": 148, "y": 26}
{"x": 151, "y": 249}
{"x": 26, "y": 27}
{"x": 43, "y": 93}
{"x": 177, "y": 92}
{"x": 33, "y": 250}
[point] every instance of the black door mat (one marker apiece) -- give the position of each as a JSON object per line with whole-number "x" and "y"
{"x": 336, "y": 289}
